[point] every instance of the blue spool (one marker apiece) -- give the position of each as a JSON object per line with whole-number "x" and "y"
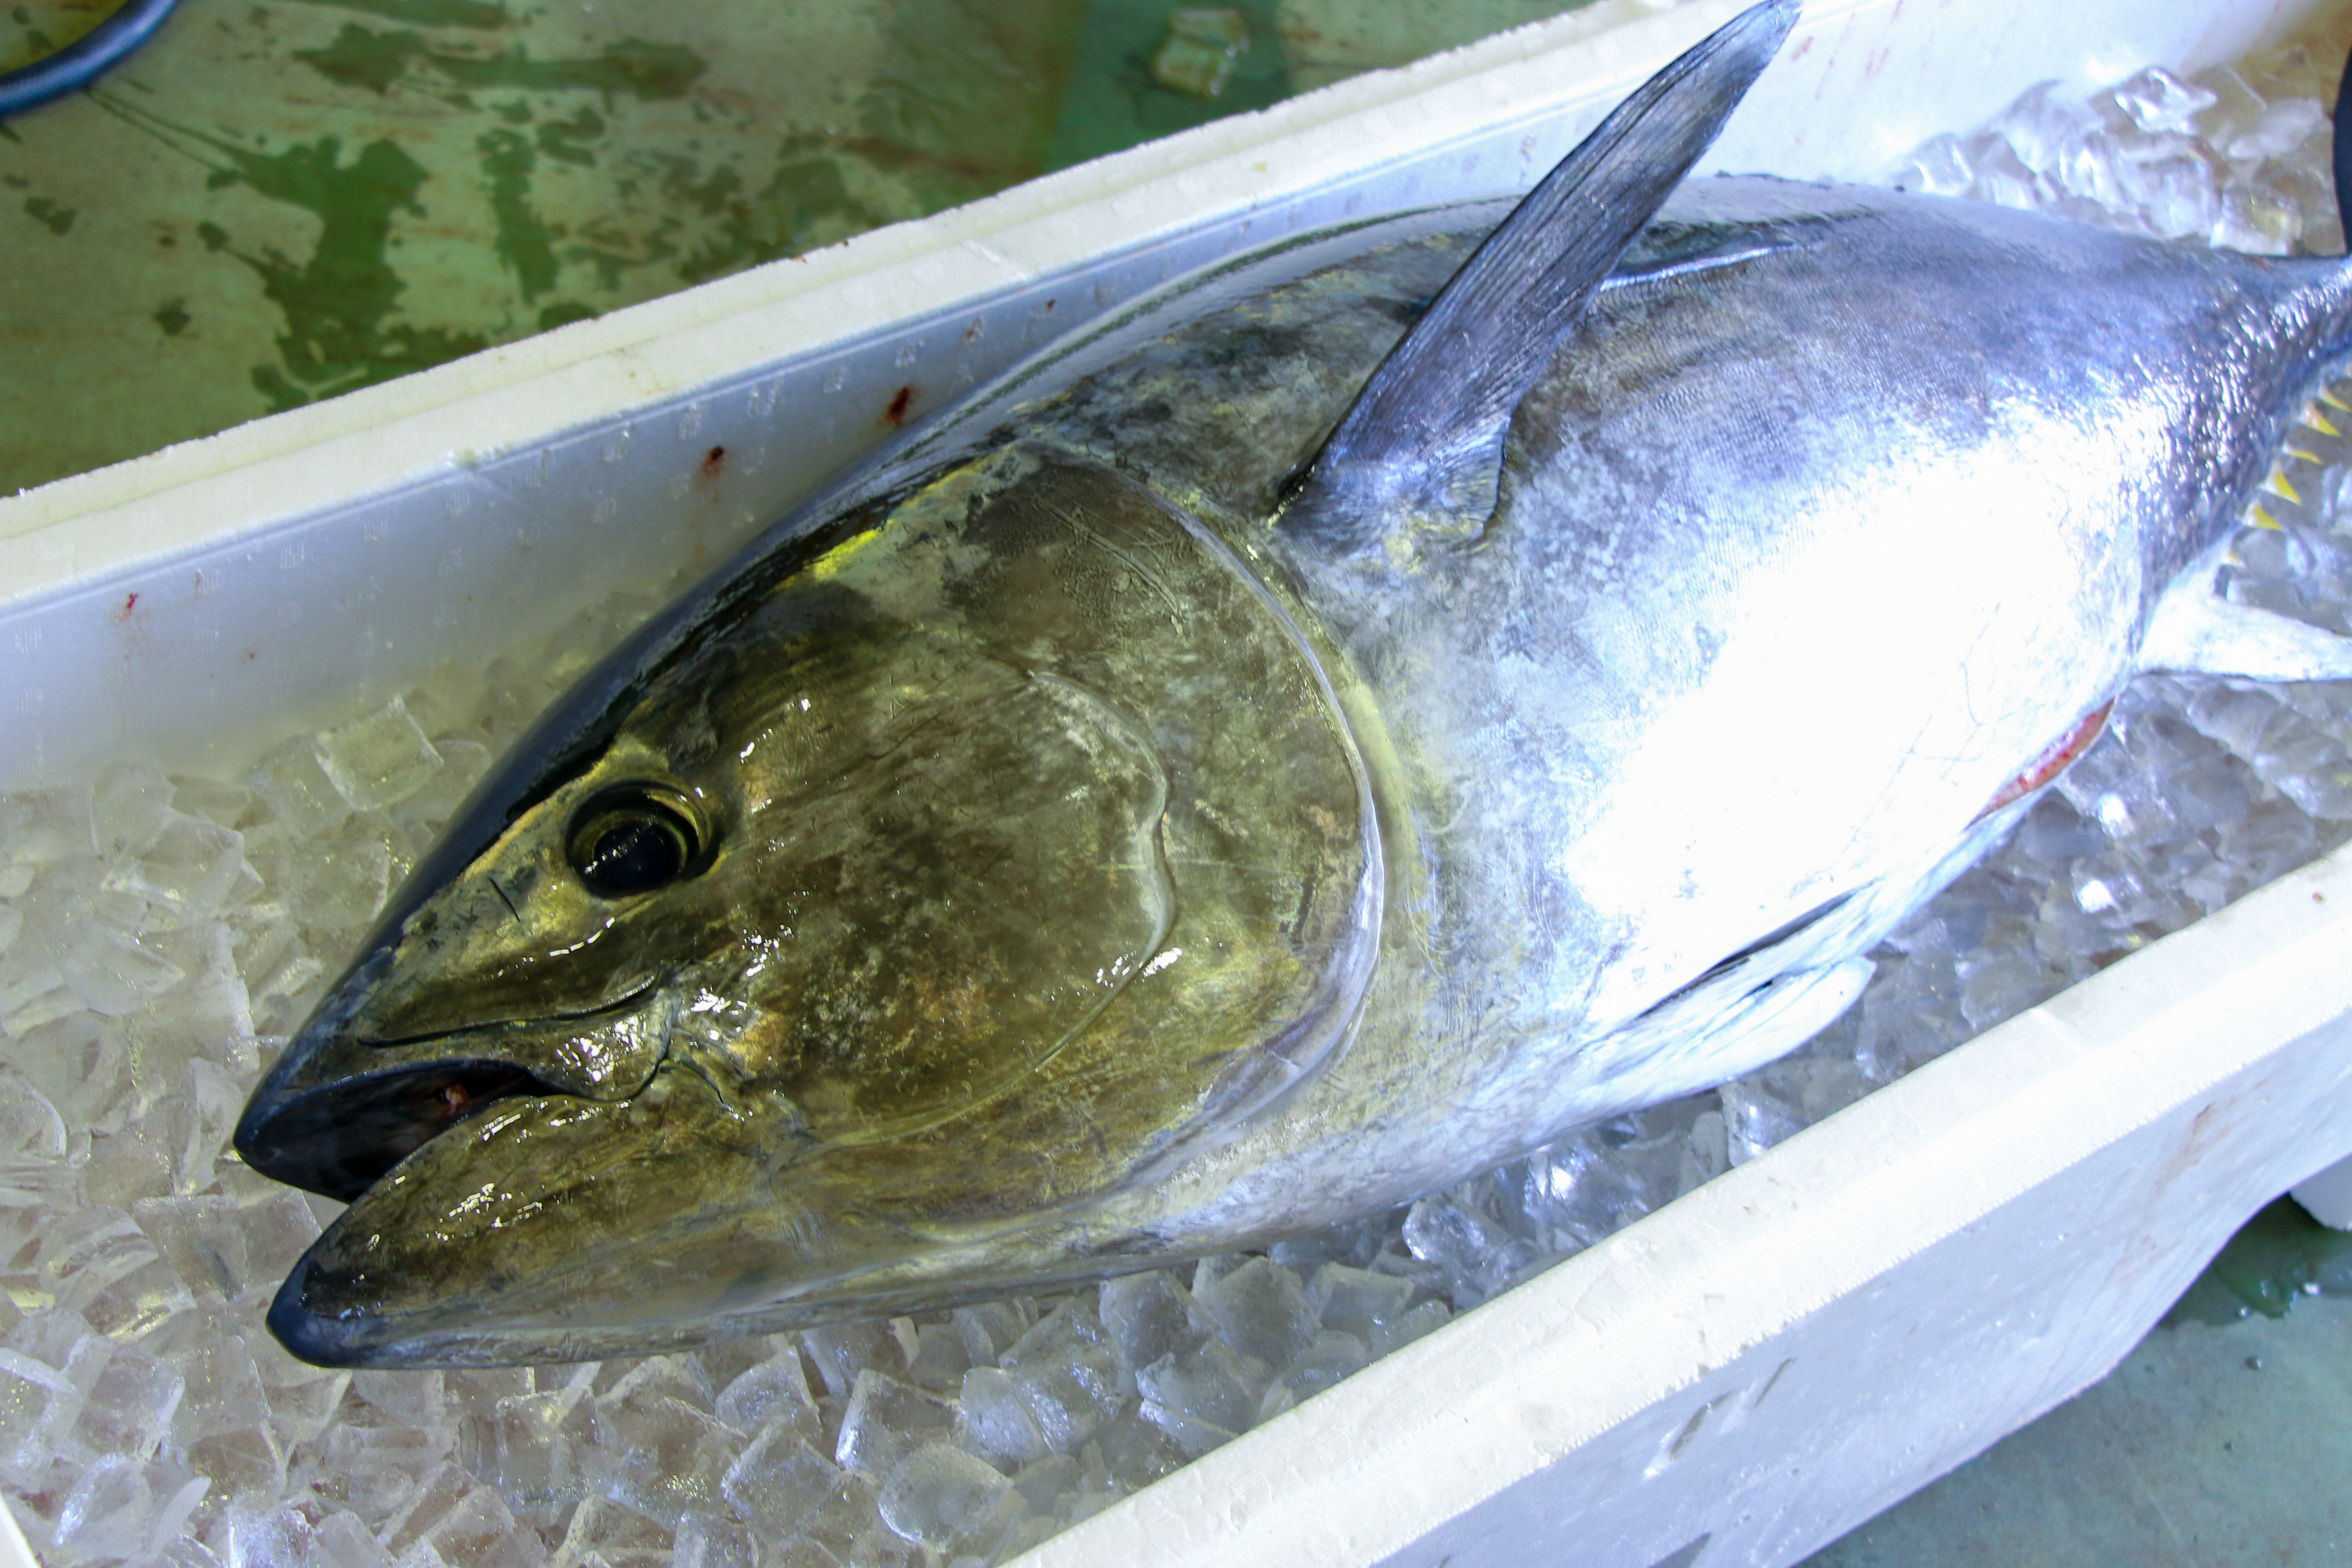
{"x": 85, "y": 59}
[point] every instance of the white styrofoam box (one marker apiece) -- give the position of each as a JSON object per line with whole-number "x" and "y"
{"x": 2327, "y": 1197}
{"x": 1734, "y": 1380}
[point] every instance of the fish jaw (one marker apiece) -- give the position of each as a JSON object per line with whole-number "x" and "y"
{"x": 352, "y": 1106}
{"x": 498, "y": 1234}
{"x": 552, "y": 1228}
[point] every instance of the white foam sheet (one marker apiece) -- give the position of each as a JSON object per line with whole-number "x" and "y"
{"x": 157, "y": 607}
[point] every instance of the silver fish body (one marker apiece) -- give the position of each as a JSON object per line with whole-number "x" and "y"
{"x": 1844, "y": 513}
{"x": 1095, "y": 835}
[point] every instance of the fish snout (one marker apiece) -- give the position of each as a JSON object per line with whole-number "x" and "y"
{"x": 353, "y": 1098}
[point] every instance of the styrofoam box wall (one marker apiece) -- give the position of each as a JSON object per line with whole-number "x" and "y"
{"x": 1734, "y": 1380}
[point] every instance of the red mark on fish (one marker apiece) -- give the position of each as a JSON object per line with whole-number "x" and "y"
{"x": 2053, "y": 760}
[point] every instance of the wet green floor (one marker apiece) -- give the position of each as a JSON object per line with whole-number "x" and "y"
{"x": 277, "y": 201}
{"x": 2224, "y": 1440}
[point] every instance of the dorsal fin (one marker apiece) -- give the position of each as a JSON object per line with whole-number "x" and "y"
{"x": 1425, "y": 435}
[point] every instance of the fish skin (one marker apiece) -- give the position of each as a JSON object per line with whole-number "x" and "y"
{"x": 1946, "y": 463}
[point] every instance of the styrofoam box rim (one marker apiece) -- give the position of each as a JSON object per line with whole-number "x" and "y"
{"x": 1459, "y": 1440}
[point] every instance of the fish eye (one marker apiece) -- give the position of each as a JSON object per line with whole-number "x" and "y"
{"x": 634, "y": 839}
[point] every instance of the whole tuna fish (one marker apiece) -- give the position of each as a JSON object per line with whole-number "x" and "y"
{"x": 1364, "y": 711}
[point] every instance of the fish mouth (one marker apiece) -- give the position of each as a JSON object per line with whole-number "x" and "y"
{"x": 341, "y": 1139}
{"x": 344, "y": 1107}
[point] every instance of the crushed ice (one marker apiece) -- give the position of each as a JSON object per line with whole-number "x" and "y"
{"x": 156, "y": 930}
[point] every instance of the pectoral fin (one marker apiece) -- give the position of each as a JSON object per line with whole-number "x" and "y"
{"x": 1423, "y": 439}
{"x": 2202, "y": 632}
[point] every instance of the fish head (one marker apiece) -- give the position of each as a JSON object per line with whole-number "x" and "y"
{"x": 946, "y": 873}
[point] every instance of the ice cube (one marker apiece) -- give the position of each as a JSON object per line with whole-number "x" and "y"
{"x": 1478, "y": 1254}
{"x": 714, "y": 1543}
{"x": 1209, "y": 1383}
{"x": 40, "y": 827}
{"x": 134, "y": 1305}
{"x": 108, "y": 1514}
{"x": 300, "y": 1409}
{"x": 1261, "y": 1310}
{"x": 89, "y": 1248}
{"x": 2044, "y": 126}
{"x": 128, "y": 806}
{"x": 1425, "y": 1319}
{"x": 995, "y": 1420}
{"x": 1149, "y": 1316}
{"x": 441, "y": 1488}
{"x": 342, "y": 1540}
{"x": 885, "y": 1420}
{"x": 111, "y": 971}
{"x": 222, "y": 1387}
{"x": 378, "y": 759}
{"x": 38, "y": 1404}
{"x": 656, "y": 1377}
{"x": 941, "y": 1359}
{"x": 1755, "y": 1118}
{"x": 1135, "y": 1450}
{"x": 1068, "y": 1395}
{"x": 1354, "y": 1301}
{"x": 775, "y": 1389}
{"x": 127, "y": 1408}
{"x": 2258, "y": 220}
{"x": 990, "y": 1329}
{"x": 717, "y": 1364}
{"x": 476, "y": 1530}
{"x": 1938, "y": 167}
{"x": 189, "y": 868}
{"x": 1202, "y": 47}
{"x": 1323, "y": 1364}
{"x": 378, "y": 1463}
{"x": 2282, "y": 131}
{"x": 267, "y": 1537}
{"x": 2157, "y": 100}
{"x": 2311, "y": 768}
{"x": 785, "y": 1490}
{"x": 296, "y": 791}
{"x": 235, "y": 1249}
{"x": 412, "y": 1398}
{"x": 31, "y": 1131}
{"x": 600, "y": 1532}
{"x": 842, "y": 1350}
{"x": 2178, "y": 196}
{"x": 1187, "y": 1433}
{"x": 2001, "y": 985}
{"x": 661, "y": 1456}
{"x": 532, "y": 1448}
{"x": 462, "y": 763}
{"x": 2001, "y": 176}
{"x": 940, "y": 1496}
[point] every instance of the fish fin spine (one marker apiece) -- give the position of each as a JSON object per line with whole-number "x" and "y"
{"x": 1422, "y": 443}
